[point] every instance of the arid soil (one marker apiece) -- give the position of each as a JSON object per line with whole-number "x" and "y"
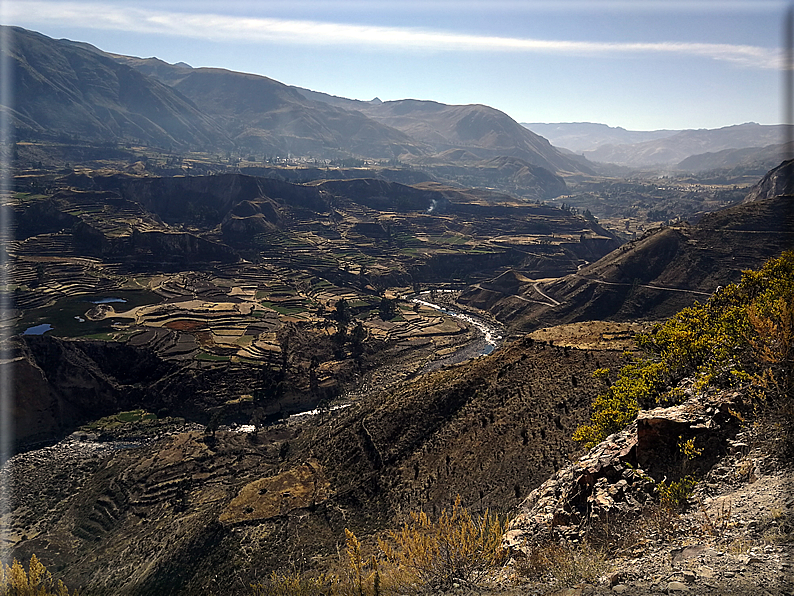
{"x": 174, "y": 513}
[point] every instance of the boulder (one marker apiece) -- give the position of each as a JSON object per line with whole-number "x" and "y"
{"x": 611, "y": 479}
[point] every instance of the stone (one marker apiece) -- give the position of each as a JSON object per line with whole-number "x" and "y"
{"x": 609, "y": 482}
{"x": 687, "y": 552}
{"x": 620, "y": 588}
{"x": 677, "y": 587}
{"x": 706, "y": 572}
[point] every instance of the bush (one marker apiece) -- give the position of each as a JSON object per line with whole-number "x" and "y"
{"x": 639, "y": 383}
{"x": 673, "y": 496}
{"x": 37, "y": 581}
{"x": 744, "y": 334}
{"x": 432, "y": 556}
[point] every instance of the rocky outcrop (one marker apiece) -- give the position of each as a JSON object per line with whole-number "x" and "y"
{"x": 617, "y": 478}
{"x": 601, "y": 483}
{"x": 58, "y": 384}
{"x": 776, "y": 182}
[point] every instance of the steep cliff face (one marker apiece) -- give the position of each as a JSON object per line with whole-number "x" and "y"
{"x": 778, "y": 181}
{"x": 168, "y": 249}
{"x": 213, "y": 197}
{"x": 59, "y": 384}
{"x": 44, "y": 217}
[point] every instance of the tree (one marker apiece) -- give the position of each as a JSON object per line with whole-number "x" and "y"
{"x": 342, "y": 313}
{"x": 269, "y": 386}
{"x": 339, "y": 339}
{"x": 357, "y": 337}
{"x": 213, "y": 425}
{"x": 744, "y": 333}
{"x": 387, "y": 308}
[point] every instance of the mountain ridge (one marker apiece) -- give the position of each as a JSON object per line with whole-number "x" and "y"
{"x": 673, "y": 149}
{"x": 63, "y": 89}
{"x": 485, "y": 131}
{"x": 584, "y": 136}
{"x": 657, "y": 275}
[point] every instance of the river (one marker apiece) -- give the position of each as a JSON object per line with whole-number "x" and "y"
{"x": 492, "y": 335}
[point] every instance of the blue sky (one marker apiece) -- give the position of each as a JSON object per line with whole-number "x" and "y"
{"x": 639, "y": 64}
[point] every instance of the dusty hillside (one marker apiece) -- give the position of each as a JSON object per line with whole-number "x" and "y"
{"x": 653, "y": 277}
{"x": 175, "y": 513}
{"x": 64, "y": 90}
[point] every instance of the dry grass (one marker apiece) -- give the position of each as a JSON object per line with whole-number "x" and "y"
{"x": 564, "y": 565}
{"x": 459, "y": 547}
{"x": 423, "y": 557}
{"x": 36, "y": 581}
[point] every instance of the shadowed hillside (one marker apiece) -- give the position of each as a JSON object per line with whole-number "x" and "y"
{"x": 240, "y": 505}
{"x": 652, "y": 277}
{"x": 66, "y": 91}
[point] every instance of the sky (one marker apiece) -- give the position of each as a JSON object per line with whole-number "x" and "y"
{"x": 638, "y": 64}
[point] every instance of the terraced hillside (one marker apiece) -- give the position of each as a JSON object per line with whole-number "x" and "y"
{"x": 86, "y": 234}
{"x": 170, "y": 515}
{"x": 255, "y": 279}
{"x": 649, "y": 278}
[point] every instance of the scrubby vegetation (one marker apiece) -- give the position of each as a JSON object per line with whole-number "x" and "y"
{"x": 36, "y": 581}
{"x": 458, "y": 547}
{"x": 423, "y": 556}
{"x": 743, "y": 335}
{"x": 563, "y": 565}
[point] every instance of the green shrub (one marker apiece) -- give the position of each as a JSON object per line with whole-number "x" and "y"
{"x": 638, "y": 383}
{"x": 674, "y": 495}
{"x": 743, "y": 334}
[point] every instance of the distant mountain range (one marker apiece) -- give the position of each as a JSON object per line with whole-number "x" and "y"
{"x": 75, "y": 92}
{"x": 587, "y": 136}
{"x": 72, "y": 90}
{"x": 751, "y": 159}
{"x": 685, "y": 150}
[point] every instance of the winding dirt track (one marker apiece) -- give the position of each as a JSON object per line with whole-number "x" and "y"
{"x": 663, "y": 288}
{"x": 546, "y": 296}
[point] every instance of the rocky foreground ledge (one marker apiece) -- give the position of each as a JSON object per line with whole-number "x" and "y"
{"x": 735, "y": 534}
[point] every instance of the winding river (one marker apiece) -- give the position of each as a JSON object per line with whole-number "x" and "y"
{"x": 491, "y": 338}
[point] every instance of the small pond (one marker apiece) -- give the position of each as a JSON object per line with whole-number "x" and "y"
{"x": 66, "y": 318}
{"x": 38, "y": 329}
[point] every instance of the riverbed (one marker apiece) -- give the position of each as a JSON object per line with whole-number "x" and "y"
{"x": 492, "y": 336}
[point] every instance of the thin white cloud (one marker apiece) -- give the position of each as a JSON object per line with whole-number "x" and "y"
{"x": 220, "y": 27}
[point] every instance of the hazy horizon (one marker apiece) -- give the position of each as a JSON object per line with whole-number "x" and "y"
{"x": 636, "y": 65}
